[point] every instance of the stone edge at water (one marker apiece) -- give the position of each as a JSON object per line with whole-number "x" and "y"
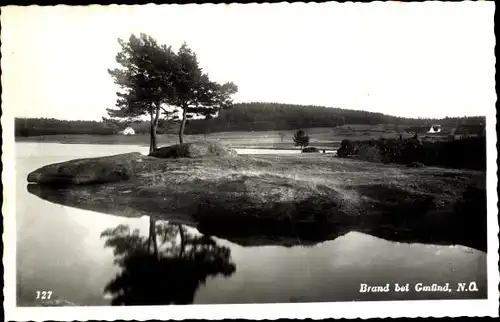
{"x": 86, "y": 171}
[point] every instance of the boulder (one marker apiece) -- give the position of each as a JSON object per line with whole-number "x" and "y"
{"x": 90, "y": 170}
{"x": 194, "y": 150}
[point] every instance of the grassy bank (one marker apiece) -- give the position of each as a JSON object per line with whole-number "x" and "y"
{"x": 295, "y": 199}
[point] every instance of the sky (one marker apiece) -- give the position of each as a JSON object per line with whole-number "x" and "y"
{"x": 431, "y": 59}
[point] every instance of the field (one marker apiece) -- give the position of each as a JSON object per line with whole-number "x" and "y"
{"x": 322, "y": 138}
{"x": 285, "y": 200}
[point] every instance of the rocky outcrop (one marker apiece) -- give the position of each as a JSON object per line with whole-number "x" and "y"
{"x": 281, "y": 200}
{"x": 122, "y": 167}
{"x": 90, "y": 170}
{"x": 194, "y": 150}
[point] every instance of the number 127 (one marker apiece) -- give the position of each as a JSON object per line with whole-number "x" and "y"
{"x": 43, "y": 295}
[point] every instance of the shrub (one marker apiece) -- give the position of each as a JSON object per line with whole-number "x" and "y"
{"x": 301, "y": 139}
{"x": 346, "y": 148}
{"x": 369, "y": 153}
{"x": 467, "y": 153}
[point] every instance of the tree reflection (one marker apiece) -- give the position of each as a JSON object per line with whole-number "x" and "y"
{"x": 165, "y": 267}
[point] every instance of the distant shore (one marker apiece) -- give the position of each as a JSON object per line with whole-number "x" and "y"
{"x": 237, "y": 140}
{"x": 323, "y": 138}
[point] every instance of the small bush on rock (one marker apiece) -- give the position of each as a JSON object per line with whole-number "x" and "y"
{"x": 194, "y": 150}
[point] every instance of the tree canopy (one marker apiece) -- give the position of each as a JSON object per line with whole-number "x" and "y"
{"x": 194, "y": 93}
{"x": 153, "y": 77}
{"x": 145, "y": 81}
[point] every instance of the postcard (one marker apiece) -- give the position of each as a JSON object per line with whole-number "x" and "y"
{"x": 255, "y": 161}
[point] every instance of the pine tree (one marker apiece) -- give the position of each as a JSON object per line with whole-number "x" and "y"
{"x": 145, "y": 80}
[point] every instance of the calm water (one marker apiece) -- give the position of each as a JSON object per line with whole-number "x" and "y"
{"x": 274, "y": 151}
{"x": 267, "y": 151}
{"x": 63, "y": 250}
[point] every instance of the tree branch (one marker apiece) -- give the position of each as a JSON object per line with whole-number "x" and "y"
{"x": 164, "y": 110}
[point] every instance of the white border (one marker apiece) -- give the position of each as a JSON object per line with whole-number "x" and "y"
{"x": 436, "y": 308}
{"x": 439, "y": 308}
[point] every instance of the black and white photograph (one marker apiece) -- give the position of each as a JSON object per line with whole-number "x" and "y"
{"x": 309, "y": 159}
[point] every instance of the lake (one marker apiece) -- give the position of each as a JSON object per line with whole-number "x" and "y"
{"x": 273, "y": 151}
{"x": 88, "y": 258}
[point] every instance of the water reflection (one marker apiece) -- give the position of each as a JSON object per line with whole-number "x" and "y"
{"x": 165, "y": 267}
{"x": 315, "y": 219}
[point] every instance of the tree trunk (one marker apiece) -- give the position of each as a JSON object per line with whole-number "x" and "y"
{"x": 152, "y": 236}
{"x": 183, "y": 125}
{"x": 183, "y": 242}
{"x": 152, "y": 134}
{"x": 155, "y": 126}
{"x": 155, "y": 115}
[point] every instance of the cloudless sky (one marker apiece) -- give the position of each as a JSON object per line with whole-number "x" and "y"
{"x": 431, "y": 59}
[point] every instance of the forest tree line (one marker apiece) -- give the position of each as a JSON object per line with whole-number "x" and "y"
{"x": 51, "y": 126}
{"x": 277, "y": 116}
{"x": 242, "y": 117}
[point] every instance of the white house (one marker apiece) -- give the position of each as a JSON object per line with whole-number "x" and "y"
{"x": 128, "y": 131}
{"x": 435, "y": 129}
